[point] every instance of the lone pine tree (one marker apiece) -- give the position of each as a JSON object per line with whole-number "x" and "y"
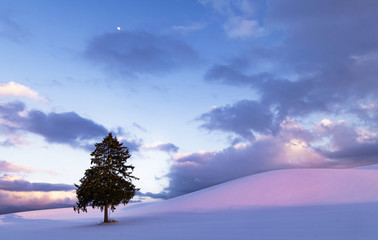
{"x": 108, "y": 182}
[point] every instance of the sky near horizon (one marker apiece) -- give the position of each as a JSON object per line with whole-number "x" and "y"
{"x": 201, "y": 92}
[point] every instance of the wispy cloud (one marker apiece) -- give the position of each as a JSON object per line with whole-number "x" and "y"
{"x": 13, "y": 141}
{"x": 237, "y": 27}
{"x": 8, "y": 167}
{"x": 188, "y": 28}
{"x": 139, "y": 52}
{"x": 165, "y": 147}
{"x": 12, "y": 31}
{"x": 241, "y": 18}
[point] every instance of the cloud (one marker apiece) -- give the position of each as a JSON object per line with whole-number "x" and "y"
{"x": 242, "y": 28}
{"x": 322, "y": 61}
{"x": 18, "y": 194}
{"x": 139, "y": 52}
{"x": 20, "y": 185}
{"x": 12, "y": 31}
{"x": 139, "y": 127}
{"x": 165, "y": 147}
{"x": 161, "y": 195}
{"x": 13, "y": 141}
{"x": 319, "y": 93}
{"x": 347, "y": 144}
{"x": 358, "y": 152}
{"x": 188, "y": 28}
{"x": 13, "y": 168}
{"x": 329, "y": 31}
{"x": 19, "y": 90}
{"x": 242, "y": 18}
{"x": 243, "y": 118}
{"x": 66, "y": 128}
{"x": 368, "y": 112}
{"x": 132, "y": 145}
{"x": 26, "y": 201}
{"x": 327, "y": 144}
{"x": 231, "y": 7}
{"x": 200, "y": 170}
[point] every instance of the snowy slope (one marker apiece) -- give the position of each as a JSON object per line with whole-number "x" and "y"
{"x": 287, "y": 204}
{"x": 295, "y": 187}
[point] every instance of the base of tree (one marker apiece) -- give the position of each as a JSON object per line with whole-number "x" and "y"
{"x": 111, "y": 221}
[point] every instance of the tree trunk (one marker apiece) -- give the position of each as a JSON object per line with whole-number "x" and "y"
{"x": 106, "y": 214}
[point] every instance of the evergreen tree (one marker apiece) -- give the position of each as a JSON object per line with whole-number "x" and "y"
{"x": 108, "y": 182}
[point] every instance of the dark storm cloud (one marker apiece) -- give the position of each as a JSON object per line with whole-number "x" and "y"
{"x": 67, "y": 128}
{"x": 26, "y": 186}
{"x": 139, "y": 52}
{"x": 243, "y": 118}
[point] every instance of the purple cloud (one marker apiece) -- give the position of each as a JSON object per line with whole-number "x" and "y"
{"x": 64, "y": 128}
{"x": 323, "y": 62}
{"x": 132, "y": 145}
{"x": 347, "y": 144}
{"x": 165, "y": 147}
{"x": 17, "y": 194}
{"x": 328, "y": 145}
{"x": 243, "y": 118}
{"x": 67, "y": 128}
{"x": 20, "y": 185}
{"x": 12, "y": 201}
{"x": 7, "y": 167}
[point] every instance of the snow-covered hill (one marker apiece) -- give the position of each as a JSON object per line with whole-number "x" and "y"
{"x": 286, "y": 204}
{"x": 296, "y": 187}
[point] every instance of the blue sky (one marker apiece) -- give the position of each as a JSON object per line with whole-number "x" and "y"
{"x": 202, "y": 92}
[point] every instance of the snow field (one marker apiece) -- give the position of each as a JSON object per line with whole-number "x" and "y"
{"x": 287, "y": 204}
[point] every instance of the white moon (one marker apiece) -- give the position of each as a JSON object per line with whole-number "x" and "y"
{"x": 118, "y": 28}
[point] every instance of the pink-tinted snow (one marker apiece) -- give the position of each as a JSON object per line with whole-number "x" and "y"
{"x": 296, "y": 187}
{"x": 303, "y": 204}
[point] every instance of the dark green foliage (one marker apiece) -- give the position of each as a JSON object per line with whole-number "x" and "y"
{"x": 108, "y": 182}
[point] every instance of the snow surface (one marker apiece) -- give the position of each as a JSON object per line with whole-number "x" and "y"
{"x": 288, "y": 204}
